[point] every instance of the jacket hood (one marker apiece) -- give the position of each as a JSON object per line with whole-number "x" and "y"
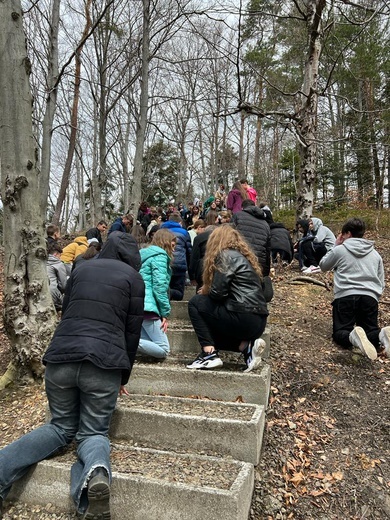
{"x": 122, "y": 246}
{"x": 51, "y": 260}
{"x": 274, "y": 225}
{"x": 359, "y": 247}
{"x": 151, "y": 251}
{"x": 317, "y": 222}
{"x": 83, "y": 239}
{"x": 255, "y": 211}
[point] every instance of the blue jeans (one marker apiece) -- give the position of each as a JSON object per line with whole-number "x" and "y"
{"x": 82, "y": 398}
{"x": 154, "y": 342}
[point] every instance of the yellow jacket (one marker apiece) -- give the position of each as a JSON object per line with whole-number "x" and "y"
{"x": 74, "y": 249}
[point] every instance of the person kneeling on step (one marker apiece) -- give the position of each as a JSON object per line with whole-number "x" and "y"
{"x": 230, "y": 310}
{"x": 88, "y": 362}
{"x": 358, "y": 284}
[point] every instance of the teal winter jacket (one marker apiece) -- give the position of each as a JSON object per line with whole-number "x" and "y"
{"x": 156, "y": 274}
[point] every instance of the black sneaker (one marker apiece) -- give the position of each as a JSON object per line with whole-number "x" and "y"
{"x": 252, "y": 354}
{"x": 98, "y": 496}
{"x": 204, "y": 361}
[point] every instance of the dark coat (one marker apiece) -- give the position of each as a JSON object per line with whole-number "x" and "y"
{"x": 102, "y": 311}
{"x": 251, "y": 223}
{"x": 94, "y": 233}
{"x": 117, "y": 225}
{"x": 281, "y": 239}
{"x": 237, "y": 285}
{"x": 182, "y": 252}
{"x": 195, "y": 270}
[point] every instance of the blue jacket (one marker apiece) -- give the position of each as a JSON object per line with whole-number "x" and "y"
{"x": 156, "y": 274}
{"x": 183, "y": 249}
{"x": 117, "y": 225}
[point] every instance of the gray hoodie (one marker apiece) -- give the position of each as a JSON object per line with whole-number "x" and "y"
{"x": 358, "y": 268}
{"x": 323, "y": 234}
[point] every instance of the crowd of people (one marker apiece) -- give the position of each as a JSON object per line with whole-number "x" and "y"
{"x": 113, "y": 285}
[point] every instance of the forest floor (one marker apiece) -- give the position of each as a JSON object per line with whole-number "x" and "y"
{"x": 326, "y": 452}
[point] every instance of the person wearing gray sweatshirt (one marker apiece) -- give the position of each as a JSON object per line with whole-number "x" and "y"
{"x": 358, "y": 284}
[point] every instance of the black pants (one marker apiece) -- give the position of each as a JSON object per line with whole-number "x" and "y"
{"x": 311, "y": 252}
{"x": 215, "y": 326}
{"x": 353, "y": 310}
{"x": 177, "y": 285}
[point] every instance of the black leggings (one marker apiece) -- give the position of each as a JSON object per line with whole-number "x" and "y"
{"x": 215, "y": 326}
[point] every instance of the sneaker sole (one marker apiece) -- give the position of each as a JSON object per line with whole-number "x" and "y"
{"x": 365, "y": 344}
{"x": 256, "y": 361}
{"x": 98, "y": 500}
{"x": 206, "y": 365}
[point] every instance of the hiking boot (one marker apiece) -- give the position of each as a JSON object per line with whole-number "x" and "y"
{"x": 205, "y": 361}
{"x": 98, "y": 496}
{"x": 312, "y": 269}
{"x": 359, "y": 339}
{"x": 252, "y": 354}
{"x": 384, "y": 338}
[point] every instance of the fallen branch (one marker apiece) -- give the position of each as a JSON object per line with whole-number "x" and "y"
{"x": 308, "y": 279}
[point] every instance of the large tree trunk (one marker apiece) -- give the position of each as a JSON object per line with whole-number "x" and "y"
{"x": 307, "y": 120}
{"x": 29, "y": 316}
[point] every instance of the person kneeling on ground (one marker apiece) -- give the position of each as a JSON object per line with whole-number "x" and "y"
{"x": 358, "y": 284}
{"x": 156, "y": 273}
{"x": 230, "y": 310}
{"x": 318, "y": 241}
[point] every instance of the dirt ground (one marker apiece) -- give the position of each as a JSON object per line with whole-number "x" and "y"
{"x": 326, "y": 453}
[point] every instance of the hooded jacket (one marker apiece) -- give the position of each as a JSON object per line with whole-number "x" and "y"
{"x": 56, "y": 273}
{"x": 358, "y": 268}
{"x": 322, "y": 234}
{"x": 281, "y": 239}
{"x": 182, "y": 252}
{"x": 74, "y": 249}
{"x": 103, "y": 310}
{"x": 251, "y": 223}
{"x": 156, "y": 274}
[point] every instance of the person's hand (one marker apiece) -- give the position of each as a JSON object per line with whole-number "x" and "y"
{"x": 339, "y": 240}
{"x": 200, "y": 290}
{"x": 164, "y": 325}
{"x": 123, "y": 390}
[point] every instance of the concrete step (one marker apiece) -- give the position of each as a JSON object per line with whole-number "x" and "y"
{"x": 183, "y": 340}
{"x": 227, "y": 384}
{"x": 196, "y": 425}
{"x": 152, "y": 485}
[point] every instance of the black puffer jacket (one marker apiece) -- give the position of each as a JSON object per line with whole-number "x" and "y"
{"x": 103, "y": 310}
{"x": 237, "y": 285}
{"x": 251, "y": 223}
{"x": 195, "y": 270}
{"x": 281, "y": 239}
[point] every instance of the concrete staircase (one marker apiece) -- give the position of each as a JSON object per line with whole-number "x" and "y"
{"x": 184, "y": 444}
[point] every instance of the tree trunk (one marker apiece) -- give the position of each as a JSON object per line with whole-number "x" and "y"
{"x": 51, "y": 105}
{"x": 136, "y": 191}
{"x": 73, "y": 122}
{"x": 307, "y": 117}
{"x": 29, "y": 316}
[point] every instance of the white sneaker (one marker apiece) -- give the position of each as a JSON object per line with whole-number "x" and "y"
{"x": 205, "y": 361}
{"x": 359, "y": 339}
{"x": 312, "y": 269}
{"x": 384, "y": 338}
{"x": 253, "y": 354}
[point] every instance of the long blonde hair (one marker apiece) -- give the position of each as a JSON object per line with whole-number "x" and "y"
{"x": 225, "y": 237}
{"x": 163, "y": 238}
